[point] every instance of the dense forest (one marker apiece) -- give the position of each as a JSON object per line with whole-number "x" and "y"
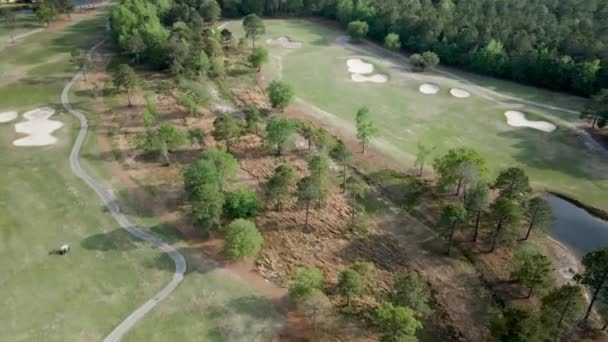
{"x": 557, "y": 44}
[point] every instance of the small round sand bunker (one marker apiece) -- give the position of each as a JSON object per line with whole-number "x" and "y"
{"x": 357, "y": 66}
{"x": 518, "y": 119}
{"x": 429, "y": 88}
{"x": 376, "y": 78}
{"x": 38, "y": 128}
{"x": 7, "y": 116}
{"x": 285, "y": 42}
{"x": 460, "y": 93}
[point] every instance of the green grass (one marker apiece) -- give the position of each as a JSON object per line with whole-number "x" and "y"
{"x": 108, "y": 274}
{"x": 557, "y": 161}
{"x": 24, "y": 23}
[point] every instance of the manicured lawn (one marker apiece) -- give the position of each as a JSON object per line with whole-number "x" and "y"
{"x": 557, "y": 161}
{"x": 82, "y": 296}
{"x": 24, "y": 23}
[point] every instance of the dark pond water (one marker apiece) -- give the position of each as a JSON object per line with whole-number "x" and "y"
{"x": 576, "y": 228}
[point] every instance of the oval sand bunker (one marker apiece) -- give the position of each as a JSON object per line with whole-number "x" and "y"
{"x": 38, "y": 127}
{"x": 428, "y": 88}
{"x": 518, "y": 119}
{"x": 377, "y": 78}
{"x": 285, "y": 42}
{"x": 7, "y": 116}
{"x": 460, "y": 93}
{"x": 358, "y": 66}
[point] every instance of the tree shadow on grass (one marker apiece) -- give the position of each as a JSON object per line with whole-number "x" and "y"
{"x": 247, "y": 318}
{"x": 560, "y": 151}
{"x": 115, "y": 240}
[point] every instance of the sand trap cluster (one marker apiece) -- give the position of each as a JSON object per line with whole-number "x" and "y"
{"x": 518, "y": 119}
{"x": 460, "y": 93}
{"x": 38, "y": 127}
{"x": 7, "y": 116}
{"x": 428, "y": 88}
{"x": 359, "y": 69}
{"x": 285, "y": 42}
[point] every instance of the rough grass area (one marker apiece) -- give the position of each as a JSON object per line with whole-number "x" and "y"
{"x": 24, "y": 23}
{"x": 556, "y": 161}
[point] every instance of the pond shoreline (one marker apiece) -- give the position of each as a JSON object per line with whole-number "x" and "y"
{"x": 596, "y": 212}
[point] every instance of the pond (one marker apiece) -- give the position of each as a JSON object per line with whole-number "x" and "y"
{"x": 576, "y": 228}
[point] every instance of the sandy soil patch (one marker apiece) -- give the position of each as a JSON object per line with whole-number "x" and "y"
{"x": 38, "y": 127}
{"x": 358, "y": 66}
{"x": 377, "y": 78}
{"x": 285, "y": 42}
{"x": 460, "y": 93}
{"x": 518, "y": 119}
{"x": 429, "y": 88}
{"x": 7, "y": 116}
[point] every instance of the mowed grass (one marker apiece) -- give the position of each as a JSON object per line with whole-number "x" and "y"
{"x": 24, "y": 23}
{"x": 108, "y": 274}
{"x": 556, "y": 161}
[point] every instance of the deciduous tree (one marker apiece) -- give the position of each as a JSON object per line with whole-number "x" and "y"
{"x": 561, "y": 308}
{"x": 258, "y": 57}
{"x": 278, "y": 132}
{"x": 357, "y": 30}
{"x": 531, "y": 268}
{"x": 254, "y": 26}
{"x": 513, "y": 183}
{"x": 125, "y": 77}
{"x": 280, "y": 94}
{"x": 307, "y": 280}
{"x": 410, "y": 290}
{"x": 277, "y": 187}
{"x": 451, "y": 216}
{"x": 349, "y": 284}
{"x": 397, "y": 323}
{"x": 226, "y": 128}
{"x": 341, "y": 153}
{"x": 423, "y": 153}
{"x": 242, "y": 240}
{"x": 392, "y": 41}
{"x": 365, "y": 127}
{"x": 477, "y": 201}
{"x": 507, "y": 215}
{"x": 241, "y": 203}
{"x": 595, "y": 276}
{"x": 455, "y": 166}
{"x": 539, "y": 214}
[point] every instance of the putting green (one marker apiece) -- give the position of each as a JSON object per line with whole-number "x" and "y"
{"x": 107, "y": 274}
{"x": 557, "y": 161}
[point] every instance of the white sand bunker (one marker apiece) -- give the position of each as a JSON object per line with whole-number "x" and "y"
{"x": 38, "y": 127}
{"x": 460, "y": 93}
{"x": 428, "y": 88}
{"x": 377, "y": 78}
{"x": 358, "y": 68}
{"x": 285, "y": 42}
{"x": 7, "y": 116}
{"x": 518, "y": 119}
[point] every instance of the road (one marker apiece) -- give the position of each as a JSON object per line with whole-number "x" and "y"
{"x": 110, "y": 201}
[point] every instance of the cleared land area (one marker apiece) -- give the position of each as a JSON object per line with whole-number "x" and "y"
{"x": 557, "y": 161}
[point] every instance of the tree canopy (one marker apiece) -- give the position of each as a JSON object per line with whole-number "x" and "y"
{"x": 242, "y": 240}
{"x": 278, "y": 132}
{"x": 306, "y": 281}
{"x": 280, "y": 94}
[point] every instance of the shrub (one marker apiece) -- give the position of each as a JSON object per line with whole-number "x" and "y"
{"x": 242, "y": 240}
{"x": 241, "y": 203}
{"x": 307, "y": 279}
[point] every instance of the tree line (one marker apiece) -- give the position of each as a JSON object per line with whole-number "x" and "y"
{"x": 559, "y": 45}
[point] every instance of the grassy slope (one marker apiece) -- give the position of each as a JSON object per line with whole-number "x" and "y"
{"x": 83, "y": 295}
{"x": 556, "y": 161}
